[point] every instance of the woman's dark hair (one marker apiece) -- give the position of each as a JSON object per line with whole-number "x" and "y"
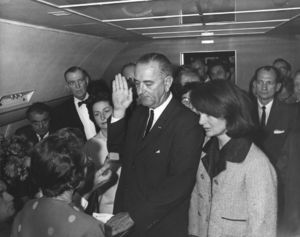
{"x": 100, "y": 96}
{"x": 223, "y": 99}
{"x": 189, "y": 87}
{"x": 58, "y": 162}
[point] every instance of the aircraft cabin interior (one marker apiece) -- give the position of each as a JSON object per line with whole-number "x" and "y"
{"x": 41, "y": 39}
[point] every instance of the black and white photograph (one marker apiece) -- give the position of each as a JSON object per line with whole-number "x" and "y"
{"x": 149, "y": 118}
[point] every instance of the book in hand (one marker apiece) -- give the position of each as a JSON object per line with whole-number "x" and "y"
{"x": 118, "y": 225}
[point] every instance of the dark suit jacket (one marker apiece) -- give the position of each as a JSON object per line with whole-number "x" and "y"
{"x": 65, "y": 115}
{"x": 28, "y": 132}
{"x": 159, "y": 171}
{"x": 283, "y": 118}
{"x": 288, "y": 166}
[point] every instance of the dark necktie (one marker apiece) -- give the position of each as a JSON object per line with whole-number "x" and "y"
{"x": 82, "y": 102}
{"x": 263, "y": 117}
{"x": 149, "y": 124}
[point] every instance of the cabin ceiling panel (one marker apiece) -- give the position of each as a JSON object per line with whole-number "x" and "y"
{"x": 119, "y": 19}
{"x": 212, "y": 28}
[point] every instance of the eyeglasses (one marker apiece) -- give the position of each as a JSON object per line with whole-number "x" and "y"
{"x": 74, "y": 83}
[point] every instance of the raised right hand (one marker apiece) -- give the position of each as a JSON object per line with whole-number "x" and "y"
{"x": 121, "y": 96}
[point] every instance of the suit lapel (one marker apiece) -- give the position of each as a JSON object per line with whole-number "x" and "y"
{"x": 159, "y": 126}
{"x": 74, "y": 112}
{"x": 141, "y": 125}
{"x": 272, "y": 116}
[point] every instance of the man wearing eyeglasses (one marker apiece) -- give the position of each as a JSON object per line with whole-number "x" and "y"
{"x": 38, "y": 115}
{"x": 74, "y": 112}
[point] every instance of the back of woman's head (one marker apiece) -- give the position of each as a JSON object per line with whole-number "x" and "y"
{"x": 57, "y": 163}
{"x": 223, "y": 99}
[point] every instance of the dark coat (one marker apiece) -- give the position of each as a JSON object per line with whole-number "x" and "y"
{"x": 283, "y": 118}
{"x": 288, "y": 167}
{"x": 65, "y": 115}
{"x": 28, "y": 132}
{"x": 159, "y": 171}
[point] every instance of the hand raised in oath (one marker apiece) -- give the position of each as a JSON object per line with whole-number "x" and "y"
{"x": 121, "y": 96}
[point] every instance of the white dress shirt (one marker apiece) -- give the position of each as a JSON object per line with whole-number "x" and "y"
{"x": 157, "y": 111}
{"x": 88, "y": 125}
{"x": 160, "y": 109}
{"x": 40, "y": 138}
{"x": 268, "y": 110}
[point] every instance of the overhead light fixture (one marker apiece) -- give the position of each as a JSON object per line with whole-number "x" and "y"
{"x": 209, "y": 23}
{"x": 59, "y": 13}
{"x": 101, "y": 3}
{"x": 205, "y": 31}
{"x": 204, "y": 14}
{"x": 207, "y": 34}
{"x": 199, "y": 35}
{"x": 207, "y": 41}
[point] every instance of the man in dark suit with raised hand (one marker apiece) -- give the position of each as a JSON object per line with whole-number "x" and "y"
{"x": 160, "y": 146}
{"x": 74, "y": 111}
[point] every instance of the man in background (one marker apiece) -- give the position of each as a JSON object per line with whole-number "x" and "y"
{"x": 199, "y": 65}
{"x": 128, "y": 71}
{"x": 74, "y": 112}
{"x": 218, "y": 70}
{"x": 39, "y": 116}
{"x": 284, "y": 67}
{"x": 276, "y": 119}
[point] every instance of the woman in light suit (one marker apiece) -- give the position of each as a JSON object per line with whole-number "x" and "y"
{"x": 236, "y": 186}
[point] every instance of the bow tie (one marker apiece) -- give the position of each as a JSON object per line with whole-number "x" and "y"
{"x": 82, "y": 102}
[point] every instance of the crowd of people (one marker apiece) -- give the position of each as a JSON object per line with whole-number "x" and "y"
{"x": 166, "y": 152}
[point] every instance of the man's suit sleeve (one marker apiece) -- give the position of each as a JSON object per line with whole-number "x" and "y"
{"x": 116, "y": 135}
{"x": 177, "y": 186}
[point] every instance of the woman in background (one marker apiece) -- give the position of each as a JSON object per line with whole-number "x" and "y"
{"x": 96, "y": 148}
{"x": 235, "y": 191}
{"x": 58, "y": 165}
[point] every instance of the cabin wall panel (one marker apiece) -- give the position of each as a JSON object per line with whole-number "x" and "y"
{"x": 251, "y": 52}
{"x": 35, "y": 58}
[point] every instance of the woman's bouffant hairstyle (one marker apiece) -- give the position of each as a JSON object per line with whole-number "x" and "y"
{"x": 58, "y": 162}
{"x": 102, "y": 96}
{"x": 223, "y": 99}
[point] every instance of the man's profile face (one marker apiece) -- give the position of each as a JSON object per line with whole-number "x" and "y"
{"x": 40, "y": 122}
{"x": 7, "y": 208}
{"x": 266, "y": 85}
{"x": 152, "y": 86}
{"x": 77, "y": 82}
